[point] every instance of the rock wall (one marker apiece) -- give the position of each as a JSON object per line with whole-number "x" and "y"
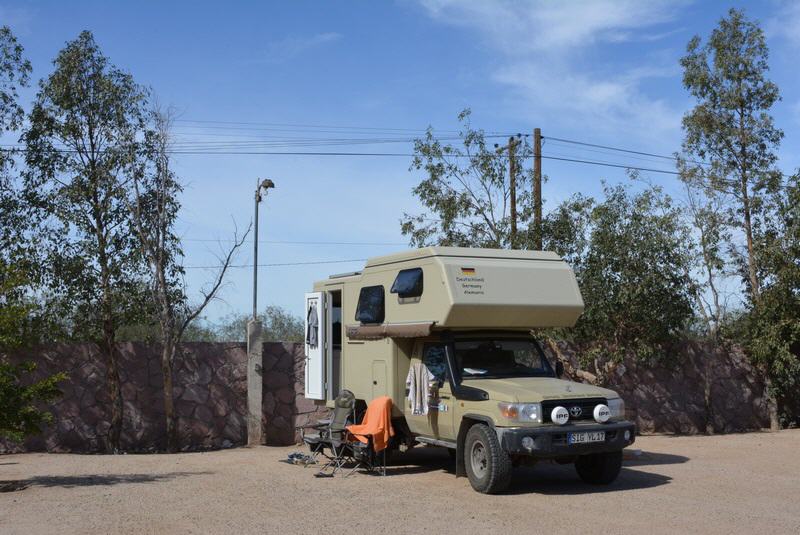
{"x": 707, "y": 390}
{"x": 209, "y": 391}
{"x": 715, "y": 391}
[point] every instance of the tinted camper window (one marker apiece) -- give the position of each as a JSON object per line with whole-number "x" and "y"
{"x": 370, "y": 307}
{"x": 408, "y": 283}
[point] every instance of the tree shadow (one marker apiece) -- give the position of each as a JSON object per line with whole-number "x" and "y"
{"x": 93, "y": 480}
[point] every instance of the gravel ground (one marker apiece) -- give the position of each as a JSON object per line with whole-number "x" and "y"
{"x": 720, "y": 484}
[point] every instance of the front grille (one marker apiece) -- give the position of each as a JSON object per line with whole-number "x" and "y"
{"x": 586, "y": 405}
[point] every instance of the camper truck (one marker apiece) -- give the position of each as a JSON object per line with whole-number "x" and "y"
{"x": 462, "y": 320}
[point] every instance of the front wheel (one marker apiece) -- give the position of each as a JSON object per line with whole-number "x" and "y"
{"x": 488, "y": 466}
{"x": 599, "y": 468}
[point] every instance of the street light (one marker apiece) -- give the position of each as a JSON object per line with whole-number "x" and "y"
{"x": 264, "y": 186}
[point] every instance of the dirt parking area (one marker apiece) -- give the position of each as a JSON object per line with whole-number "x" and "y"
{"x": 721, "y": 484}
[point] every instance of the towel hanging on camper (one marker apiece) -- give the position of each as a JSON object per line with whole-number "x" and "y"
{"x": 312, "y": 321}
{"x": 418, "y": 381}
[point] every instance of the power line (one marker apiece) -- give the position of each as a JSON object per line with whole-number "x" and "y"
{"x": 376, "y": 154}
{"x": 609, "y": 164}
{"x": 288, "y": 242}
{"x": 306, "y": 126}
{"x": 281, "y": 264}
{"x": 618, "y": 149}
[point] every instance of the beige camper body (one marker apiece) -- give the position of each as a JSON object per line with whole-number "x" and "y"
{"x": 462, "y": 289}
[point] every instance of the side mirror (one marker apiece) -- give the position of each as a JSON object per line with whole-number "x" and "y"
{"x": 559, "y": 368}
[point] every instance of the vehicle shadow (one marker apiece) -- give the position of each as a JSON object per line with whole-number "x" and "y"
{"x": 654, "y": 458}
{"x": 553, "y": 479}
{"x": 545, "y": 477}
{"x": 92, "y": 480}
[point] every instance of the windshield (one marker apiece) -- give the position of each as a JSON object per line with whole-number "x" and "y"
{"x": 493, "y": 357}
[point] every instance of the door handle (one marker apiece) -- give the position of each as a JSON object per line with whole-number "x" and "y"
{"x": 444, "y": 397}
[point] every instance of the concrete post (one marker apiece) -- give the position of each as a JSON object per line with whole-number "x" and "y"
{"x": 255, "y": 431}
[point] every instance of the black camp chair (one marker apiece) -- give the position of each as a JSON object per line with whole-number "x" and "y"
{"x": 330, "y": 434}
{"x": 361, "y": 455}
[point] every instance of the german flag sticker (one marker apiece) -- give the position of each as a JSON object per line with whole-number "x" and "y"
{"x": 467, "y": 271}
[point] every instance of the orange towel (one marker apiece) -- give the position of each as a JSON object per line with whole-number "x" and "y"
{"x": 377, "y": 423}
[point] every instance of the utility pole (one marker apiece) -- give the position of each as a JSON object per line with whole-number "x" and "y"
{"x": 537, "y": 189}
{"x": 255, "y": 429}
{"x": 512, "y": 179}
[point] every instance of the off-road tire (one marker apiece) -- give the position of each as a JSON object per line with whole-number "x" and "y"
{"x": 599, "y": 468}
{"x": 488, "y": 466}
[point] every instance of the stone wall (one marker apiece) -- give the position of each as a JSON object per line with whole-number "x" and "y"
{"x": 209, "y": 391}
{"x": 707, "y": 391}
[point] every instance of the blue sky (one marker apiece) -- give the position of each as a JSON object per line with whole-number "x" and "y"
{"x": 603, "y": 72}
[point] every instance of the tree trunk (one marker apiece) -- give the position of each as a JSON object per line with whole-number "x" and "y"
{"x": 772, "y": 405}
{"x": 167, "y": 352}
{"x": 114, "y": 389}
{"x": 707, "y": 385}
{"x": 109, "y": 340}
{"x": 755, "y": 290}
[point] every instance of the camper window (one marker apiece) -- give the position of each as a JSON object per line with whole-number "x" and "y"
{"x": 408, "y": 283}
{"x": 370, "y": 308}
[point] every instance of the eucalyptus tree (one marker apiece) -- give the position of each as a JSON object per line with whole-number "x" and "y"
{"x": 154, "y": 204}
{"x": 467, "y": 193}
{"x": 731, "y": 130}
{"x": 85, "y": 127}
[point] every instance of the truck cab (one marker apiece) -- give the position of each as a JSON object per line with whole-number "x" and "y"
{"x": 462, "y": 321}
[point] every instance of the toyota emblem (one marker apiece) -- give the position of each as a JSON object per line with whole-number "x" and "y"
{"x": 575, "y": 411}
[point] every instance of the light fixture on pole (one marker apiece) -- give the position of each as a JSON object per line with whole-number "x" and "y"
{"x": 264, "y": 186}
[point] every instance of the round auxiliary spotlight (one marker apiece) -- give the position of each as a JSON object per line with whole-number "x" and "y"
{"x": 527, "y": 443}
{"x": 602, "y": 413}
{"x": 560, "y": 415}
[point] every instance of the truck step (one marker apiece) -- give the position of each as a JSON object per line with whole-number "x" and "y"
{"x": 436, "y": 442}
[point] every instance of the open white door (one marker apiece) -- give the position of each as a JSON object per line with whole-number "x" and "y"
{"x": 315, "y": 338}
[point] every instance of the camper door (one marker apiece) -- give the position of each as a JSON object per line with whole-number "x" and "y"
{"x": 315, "y": 341}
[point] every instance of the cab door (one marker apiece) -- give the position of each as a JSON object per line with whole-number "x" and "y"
{"x": 438, "y": 422}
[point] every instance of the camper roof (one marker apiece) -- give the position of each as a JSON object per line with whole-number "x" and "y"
{"x": 459, "y": 252}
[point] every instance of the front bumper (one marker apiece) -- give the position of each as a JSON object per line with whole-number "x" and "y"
{"x": 551, "y": 441}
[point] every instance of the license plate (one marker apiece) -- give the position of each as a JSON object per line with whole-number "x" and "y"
{"x": 586, "y": 438}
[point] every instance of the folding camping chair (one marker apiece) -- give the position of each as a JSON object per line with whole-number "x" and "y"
{"x": 368, "y": 442}
{"x": 330, "y": 434}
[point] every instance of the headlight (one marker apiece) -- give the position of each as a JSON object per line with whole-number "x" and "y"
{"x": 521, "y": 412}
{"x": 617, "y": 408}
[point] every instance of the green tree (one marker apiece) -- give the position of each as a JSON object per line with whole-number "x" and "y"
{"x": 279, "y": 325}
{"x": 81, "y": 146}
{"x": 630, "y": 257}
{"x": 14, "y": 221}
{"x": 20, "y": 396}
{"x": 467, "y": 192}
{"x": 732, "y": 130}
